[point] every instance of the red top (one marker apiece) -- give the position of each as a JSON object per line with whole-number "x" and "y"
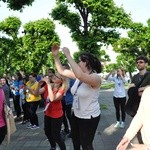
{"x": 54, "y": 110}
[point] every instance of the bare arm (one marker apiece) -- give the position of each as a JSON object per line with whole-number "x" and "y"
{"x": 65, "y": 72}
{"x": 109, "y": 75}
{"x": 92, "y": 79}
{"x": 58, "y": 95}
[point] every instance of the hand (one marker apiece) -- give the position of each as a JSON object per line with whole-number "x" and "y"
{"x": 66, "y": 51}
{"x": 123, "y": 144}
{"x": 40, "y": 83}
{"x": 138, "y": 147}
{"x": 140, "y": 91}
{"x": 55, "y": 49}
{"x": 46, "y": 79}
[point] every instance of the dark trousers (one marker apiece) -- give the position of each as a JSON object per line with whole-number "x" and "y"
{"x": 65, "y": 121}
{"x": 67, "y": 114}
{"x": 68, "y": 111}
{"x": 139, "y": 137}
{"x": 3, "y": 131}
{"x": 52, "y": 128}
{"x": 31, "y": 108}
{"x": 25, "y": 112}
{"x": 119, "y": 104}
{"x": 83, "y": 132}
{"x": 16, "y": 100}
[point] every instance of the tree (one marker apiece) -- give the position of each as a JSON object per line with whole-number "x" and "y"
{"x": 17, "y": 4}
{"x": 135, "y": 44}
{"x": 29, "y": 52}
{"x": 92, "y": 23}
{"x": 8, "y": 42}
{"x": 38, "y": 39}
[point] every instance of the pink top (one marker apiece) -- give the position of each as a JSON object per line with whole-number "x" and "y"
{"x": 2, "y": 121}
{"x": 141, "y": 120}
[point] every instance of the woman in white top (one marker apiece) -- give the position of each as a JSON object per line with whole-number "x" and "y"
{"x": 141, "y": 121}
{"x": 86, "y": 108}
{"x": 119, "y": 96}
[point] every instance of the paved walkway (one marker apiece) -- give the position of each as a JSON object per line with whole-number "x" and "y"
{"x": 106, "y": 138}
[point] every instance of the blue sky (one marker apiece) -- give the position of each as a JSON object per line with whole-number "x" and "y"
{"x": 139, "y": 10}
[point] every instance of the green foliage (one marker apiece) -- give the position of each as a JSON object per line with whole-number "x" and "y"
{"x": 17, "y": 4}
{"x": 29, "y": 53}
{"x": 137, "y": 43}
{"x": 91, "y": 22}
{"x": 38, "y": 40}
{"x": 10, "y": 26}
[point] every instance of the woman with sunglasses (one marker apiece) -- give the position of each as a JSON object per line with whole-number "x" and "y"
{"x": 86, "y": 109}
{"x": 53, "y": 94}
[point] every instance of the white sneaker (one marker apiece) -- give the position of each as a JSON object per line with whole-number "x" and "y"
{"x": 117, "y": 125}
{"x": 29, "y": 126}
{"x": 34, "y": 127}
{"x": 122, "y": 124}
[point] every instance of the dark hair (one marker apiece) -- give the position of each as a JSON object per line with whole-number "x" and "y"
{"x": 33, "y": 75}
{"x": 52, "y": 70}
{"x": 92, "y": 62}
{"x": 19, "y": 76}
{"x": 66, "y": 66}
{"x": 144, "y": 58}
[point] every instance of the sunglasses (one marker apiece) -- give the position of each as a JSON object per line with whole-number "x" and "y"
{"x": 140, "y": 62}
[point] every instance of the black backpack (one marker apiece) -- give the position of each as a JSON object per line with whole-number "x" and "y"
{"x": 133, "y": 102}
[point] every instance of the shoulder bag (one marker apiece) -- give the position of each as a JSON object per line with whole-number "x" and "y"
{"x": 10, "y": 122}
{"x": 133, "y": 102}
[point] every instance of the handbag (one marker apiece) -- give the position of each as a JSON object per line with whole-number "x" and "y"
{"x": 10, "y": 122}
{"x": 133, "y": 102}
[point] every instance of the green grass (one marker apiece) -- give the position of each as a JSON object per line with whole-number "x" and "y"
{"x": 103, "y": 106}
{"x": 107, "y": 86}
{"x": 110, "y": 86}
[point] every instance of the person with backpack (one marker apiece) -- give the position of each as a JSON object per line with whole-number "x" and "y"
{"x": 142, "y": 63}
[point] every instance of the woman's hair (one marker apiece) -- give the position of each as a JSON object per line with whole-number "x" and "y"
{"x": 34, "y": 75}
{"x": 92, "y": 62}
{"x": 66, "y": 66}
{"x": 19, "y": 76}
{"x": 51, "y": 70}
{"x": 123, "y": 72}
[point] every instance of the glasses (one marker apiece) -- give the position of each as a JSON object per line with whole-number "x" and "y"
{"x": 140, "y": 62}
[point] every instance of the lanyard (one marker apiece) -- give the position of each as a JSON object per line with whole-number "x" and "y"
{"x": 77, "y": 88}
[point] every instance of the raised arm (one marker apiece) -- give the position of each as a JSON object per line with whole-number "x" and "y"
{"x": 82, "y": 72}
{"x": 65, "y": 72}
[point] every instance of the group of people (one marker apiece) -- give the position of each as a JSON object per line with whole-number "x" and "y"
{"x": 140, "y": 124}
{"x": 75, "y": 92}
